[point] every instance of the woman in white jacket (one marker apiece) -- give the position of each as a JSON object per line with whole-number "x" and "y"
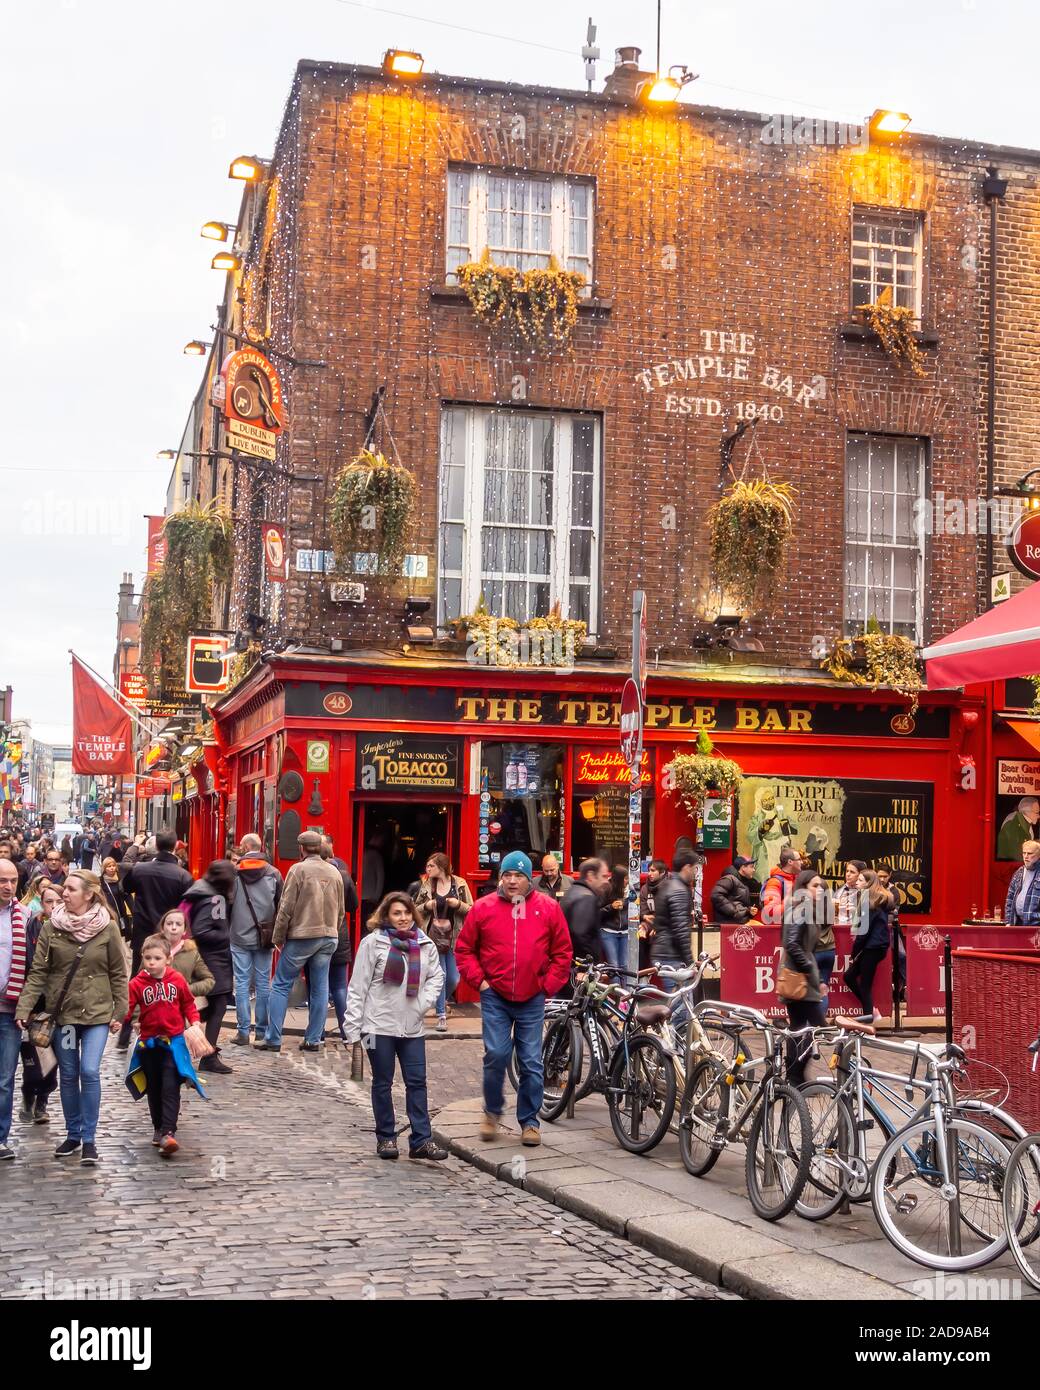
{"x": 397, "y": 976}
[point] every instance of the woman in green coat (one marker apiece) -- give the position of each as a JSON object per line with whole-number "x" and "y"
{"x": 89, "y": 1001}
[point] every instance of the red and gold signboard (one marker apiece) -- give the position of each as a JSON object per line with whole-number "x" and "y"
{"x": 606, "y": 767}
{"x": 275, "y": 557}
{"x": 254, "y": 412}
{"x": 133, "y": 686}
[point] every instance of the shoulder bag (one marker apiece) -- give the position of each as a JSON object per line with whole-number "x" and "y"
{"x": 265, "y": 932}
{"x": 791, "y": 985}
{"x": 42, "y": 1025}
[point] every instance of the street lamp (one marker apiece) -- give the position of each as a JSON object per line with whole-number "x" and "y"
{"x": 195, "y": 348}
{"x": 401, "y": 63}
{"x": 888, "y": 125}
{"x": 248, "y": 168}
{"x": 225, "y": 260}
{"x": 217, "y": 231}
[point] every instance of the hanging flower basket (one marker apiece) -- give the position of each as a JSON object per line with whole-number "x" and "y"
{"x": 877, "y": 659}
{"x": 896, "y": 331}
{"x": 750, "y": 527}
{"x": 540, "y": 304}
{"x": 371, "y": 508}
{"x": 178, "y": 596}
{"x": 551, "y": 641}
{"x": 694, "y": 776}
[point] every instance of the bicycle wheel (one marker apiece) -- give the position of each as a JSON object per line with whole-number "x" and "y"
{"x": 1009, "y": 1132}
{"x": 699, "y": 1114}
{"x": 779, "y": 1151}
{"x": 1021, "y": 1203}
{"x": 561, "y": 1067}
{"x": 907, "y": 1194}
{"x": 833, "y": 1151}
{"x": 641, "y": 1093}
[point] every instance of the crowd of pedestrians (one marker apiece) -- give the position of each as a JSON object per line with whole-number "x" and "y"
{"x": 101, "y": 934}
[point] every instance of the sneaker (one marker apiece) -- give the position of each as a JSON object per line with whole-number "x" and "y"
{"x": 264, "y": 1046}
{"x": 67, "y": 1148}
{"x": 6, "y": 1152}
{"x": 310, "y": 1047}
{"x": 168, "y": 1146}
{"x": 489, "y": 1127}
{"x": 442, "y": 1024}
{"x": 430, "y": 1149}
{"x": 214, "y": 1064}
{"x": 89, "y": 1157}
{"x": 240, "y": 1040}
{"x": 531, "y": 1136}
{"x": 40, "y": 1116}
{"x": 26, "y": 1113}
{"x": 156, "y": 1136}
{"x": 387, "y": 1148}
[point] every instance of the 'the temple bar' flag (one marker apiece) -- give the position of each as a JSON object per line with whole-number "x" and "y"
{"x": 102, "y": 740}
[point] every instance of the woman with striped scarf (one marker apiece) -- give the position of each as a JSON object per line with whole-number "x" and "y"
{"x": 14, "y": 920}
{"x": 397, "y": 977}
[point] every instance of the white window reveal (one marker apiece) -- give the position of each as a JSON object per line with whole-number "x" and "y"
{"x": 519, "y": 513}
{"x": 521, "y": 219}
{"x": 884, "y": 548}
{"x": 886, "y": 255}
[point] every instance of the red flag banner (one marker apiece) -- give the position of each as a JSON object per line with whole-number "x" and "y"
{"x": 102, "y": 740}
{"x": 156, "y": 543}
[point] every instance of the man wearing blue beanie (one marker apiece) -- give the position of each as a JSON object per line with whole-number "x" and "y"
{"x": 516, "y": 950}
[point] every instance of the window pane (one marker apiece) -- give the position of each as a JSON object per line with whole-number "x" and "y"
{"x": 538, "y": 552}
{"x": 581, "y": 500}
{"x": 540, "y": 601}
{"x": 451, "y": 547}
{"x": 579, "y": 604}
{"x": 581, "y": 554}
{"x": 451, "y": 598}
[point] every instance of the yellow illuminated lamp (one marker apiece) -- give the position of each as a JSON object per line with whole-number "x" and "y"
{"x": 887, "y": 125}
{"x": 195, "y": 348}
{"x": 166, "y": 454}
{"x": 587, "y": 809}
{"x": 247, "y": 167}
{"x": 663, "y": 90}
{"x": 215, "y": 231}
{"x": 402, "y": 63}
{"x": 225, "y": 260}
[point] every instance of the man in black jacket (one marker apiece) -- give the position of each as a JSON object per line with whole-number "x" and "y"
{"x": 581, "y": 907}
{"x": 157, "y": 885}
{"x": 673, "y": 912}
{"x": 735, "y": 897}
{"x": 556, "y": 884}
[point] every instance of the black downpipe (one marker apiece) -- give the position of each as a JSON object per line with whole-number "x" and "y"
{"x": 994, "y": 189}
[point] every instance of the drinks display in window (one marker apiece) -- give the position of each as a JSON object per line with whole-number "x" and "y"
{"x": 521, "y": 789}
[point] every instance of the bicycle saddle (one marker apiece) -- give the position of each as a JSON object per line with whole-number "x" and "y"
{"x": 648, "y": 1014}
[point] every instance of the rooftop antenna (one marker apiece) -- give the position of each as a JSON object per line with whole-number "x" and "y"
{"x": 590, "y": 53}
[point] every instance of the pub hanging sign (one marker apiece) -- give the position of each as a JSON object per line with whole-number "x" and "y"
{"x": 254, "y": 409}
{"x": 397, "y": 762}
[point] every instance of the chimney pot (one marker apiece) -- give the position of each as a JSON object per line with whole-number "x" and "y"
{"x": 627, "y": 77}
{"x": 627, "y": 57}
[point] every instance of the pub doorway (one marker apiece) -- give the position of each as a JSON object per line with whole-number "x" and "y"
{"x": 394, "y": 839}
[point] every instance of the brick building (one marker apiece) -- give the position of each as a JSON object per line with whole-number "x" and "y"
{"x": 724, "y": 266}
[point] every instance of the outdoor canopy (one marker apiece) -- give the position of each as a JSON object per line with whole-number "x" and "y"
{"x": 1001, "y": 644}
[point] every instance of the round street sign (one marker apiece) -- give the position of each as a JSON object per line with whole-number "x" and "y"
{"x": 1023, "y": 544}
{"x": 631, "y": 723}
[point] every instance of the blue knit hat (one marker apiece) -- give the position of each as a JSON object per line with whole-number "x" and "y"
{"x": 517, "y": 861}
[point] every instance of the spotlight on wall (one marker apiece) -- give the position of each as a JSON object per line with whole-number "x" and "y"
{"x": 664, "y": 89}
{"x": 402, "y": 63}
{"x": 196, "y": 348}
{"x": 415, "y": 610}
{"x": 888, "y": 125}
{"x": 247, "y": 167}
{"x": 225, "y": 260}
{"x": 217, "y": 231}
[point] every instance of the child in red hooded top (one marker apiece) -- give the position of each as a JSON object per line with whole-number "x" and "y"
{"x": 167, "y": 1007}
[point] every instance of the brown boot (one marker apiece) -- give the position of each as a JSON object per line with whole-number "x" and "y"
{"x": 531, "y": 1137}
{"x": 489, "y": 1127}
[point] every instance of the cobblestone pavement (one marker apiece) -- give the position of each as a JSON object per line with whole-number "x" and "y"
{"x": 277, "y": 1193}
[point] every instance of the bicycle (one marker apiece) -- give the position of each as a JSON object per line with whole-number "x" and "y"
{"x": 937, "y": 1181}
{"x": 1022, "y": 1190}
{"x": 771, "y": 1117}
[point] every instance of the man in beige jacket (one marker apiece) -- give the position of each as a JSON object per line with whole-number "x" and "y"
{"x": 306, "y": 929}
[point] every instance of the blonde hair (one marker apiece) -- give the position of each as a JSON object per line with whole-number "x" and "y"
{"x": 1031, "y": 845}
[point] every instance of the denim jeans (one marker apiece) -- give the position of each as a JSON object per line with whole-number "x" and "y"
{"x": 681, "y": 1017}
{"x": 504, "y": 1022}
{"x": 615, "y": 948}
{"x": 80, "y": 1048}
{"x": 10, "y": 1045}
{"x": 825, "y": 963}
{"x": 338, "y": 991}
{"x": 319, "y": 950}
{"x": 251, "y": 967}
{"x": 382, "y": 1052}
{"x": 450, "y": 984}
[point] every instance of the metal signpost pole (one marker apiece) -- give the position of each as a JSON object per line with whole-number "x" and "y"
{"x": 632, "y": 747}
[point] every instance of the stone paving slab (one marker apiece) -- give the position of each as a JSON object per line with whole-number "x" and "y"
{"x": 704, "y": 1225}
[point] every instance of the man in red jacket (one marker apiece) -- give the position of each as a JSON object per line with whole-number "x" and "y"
{"x": 515, "y": 948}
{"x": 779, "y": 885}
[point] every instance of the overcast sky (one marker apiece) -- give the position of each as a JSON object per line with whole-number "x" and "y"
{"x": 120, "y": 119}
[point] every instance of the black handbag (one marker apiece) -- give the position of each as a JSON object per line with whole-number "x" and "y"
{"x": 41, "y": 1025}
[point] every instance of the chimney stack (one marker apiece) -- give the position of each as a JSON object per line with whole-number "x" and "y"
{"x": 627, "y": 77}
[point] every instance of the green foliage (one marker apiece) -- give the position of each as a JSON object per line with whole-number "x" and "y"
{"x": 693, "y": 776}
{"x": 750, "y": 526}
{"x": 540, "y": 304}
{"x": 178, "y": 597}
{"x": 371, "y": 508}
{"x": 877, "y": 659}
